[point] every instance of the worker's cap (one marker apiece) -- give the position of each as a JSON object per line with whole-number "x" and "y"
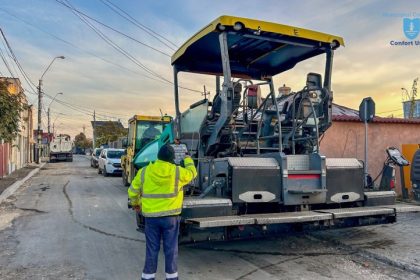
{"x": 167, "y": 153}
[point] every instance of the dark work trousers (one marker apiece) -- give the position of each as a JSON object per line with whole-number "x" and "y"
{"x": 157, "y": 229}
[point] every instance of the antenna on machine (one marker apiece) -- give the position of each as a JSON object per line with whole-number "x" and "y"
{"x": 205, "y": 92}
{"x": 411, "y": 98}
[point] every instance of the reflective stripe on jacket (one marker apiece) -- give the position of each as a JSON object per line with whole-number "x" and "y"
{"x": 158, "y": 187}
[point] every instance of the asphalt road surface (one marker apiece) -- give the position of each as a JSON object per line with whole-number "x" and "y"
{"x": 68, "y": 222}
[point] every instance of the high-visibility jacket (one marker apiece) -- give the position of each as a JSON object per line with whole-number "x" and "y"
{"x": 158, "y": 187}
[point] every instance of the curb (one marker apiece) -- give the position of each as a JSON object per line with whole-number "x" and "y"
{"x": 12, "y": 188}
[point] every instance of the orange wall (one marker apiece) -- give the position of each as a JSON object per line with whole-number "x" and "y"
{"x": 346, "y": 139}
{"x": 5, "y": 151}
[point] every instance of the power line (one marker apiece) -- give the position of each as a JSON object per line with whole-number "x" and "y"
{"x": 15, "y": 59}
{"x": 81, "y": 109}
{"x": 8, "y": 57}
{"x": 83, "y": 16}
{"x": 25, "y": 76}
{"x": 112, "y": 43}
{"x": 91, "y": 53}
{"x": 68, "y": 5}
{"x": 6, "y": 63}
{"x": 69, "y": 43}
{"x": 146, "y": 29}
{"x": 390, "y": 111}
{"x": 11, "y": 54}
{"x": 84, "y": 110}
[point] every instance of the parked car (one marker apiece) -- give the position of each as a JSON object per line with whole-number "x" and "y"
{"x": 110, "y": 162}
{"x": 95, "y": 157}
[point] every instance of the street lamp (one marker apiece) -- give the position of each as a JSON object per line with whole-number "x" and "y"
{"x": 54, "y": 127}
{"x": 38, "y": 147}
{"x": 48, "y": 113}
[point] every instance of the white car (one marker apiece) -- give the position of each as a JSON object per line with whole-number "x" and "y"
{"x": 109, "y": 162}
{"x": 95, "y": 157}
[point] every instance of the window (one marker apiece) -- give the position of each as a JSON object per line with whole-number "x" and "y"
{"x": 147, "y": 132}
{"x": 115, "y": 154}
{"x": 130, "y": 136}
{"x": 98, "y": 152}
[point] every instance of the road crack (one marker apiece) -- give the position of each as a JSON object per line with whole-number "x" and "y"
{"x": 70, "y": 210}
{"x": 271, "y": 253}
{"x": 32, "y": 210}
{"x": 263, "y": 267}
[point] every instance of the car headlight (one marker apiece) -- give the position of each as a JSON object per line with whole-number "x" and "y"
{"x": 108, "y": 162}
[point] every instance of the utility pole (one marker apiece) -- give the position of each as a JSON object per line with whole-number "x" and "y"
{"x": 38, "y": 148}
{"x": 49, "y": 125}
{"x": 49, "y": 117}
{"x": 39, "y": 134}
{"x": 413, "y": 99}
{"x": 94, "y": 132}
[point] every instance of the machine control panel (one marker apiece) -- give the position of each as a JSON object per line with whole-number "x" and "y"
{"x": 396, "y": 156}
{"x": 180, "y": 152}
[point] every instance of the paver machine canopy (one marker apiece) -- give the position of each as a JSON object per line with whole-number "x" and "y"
{"x": 250, "y": 50}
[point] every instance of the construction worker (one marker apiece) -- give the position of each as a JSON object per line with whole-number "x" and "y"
{"x": 157, "y": 192}
{"x": 151, "y": 133}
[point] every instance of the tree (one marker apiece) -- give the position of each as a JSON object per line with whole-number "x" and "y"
{"x": 80, "y": 141}
{"x": 11, "y": 106}
{"x": 108, "y": 132}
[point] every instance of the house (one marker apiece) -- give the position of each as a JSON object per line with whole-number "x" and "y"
{"x": 45, "y": 140}
{"x": 117, "y": 124}
{"x": 103, "y": 129}
{"x": 346, "y": 138}
{"x": 19, "y": 152}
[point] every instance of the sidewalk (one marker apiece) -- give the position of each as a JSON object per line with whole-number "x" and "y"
{"x": 17, "y": 175}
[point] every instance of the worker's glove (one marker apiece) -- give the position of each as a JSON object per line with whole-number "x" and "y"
{"x": 132, "y": 204}
{"x": 137, "y": 208}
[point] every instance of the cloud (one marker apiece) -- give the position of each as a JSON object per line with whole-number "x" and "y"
{"x": 367, "y": 66}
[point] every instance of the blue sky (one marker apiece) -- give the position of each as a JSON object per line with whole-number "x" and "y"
{"x": 367, "y": 66}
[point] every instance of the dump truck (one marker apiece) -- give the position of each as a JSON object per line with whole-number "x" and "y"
{"x": 61, "y": 148}
{"x": 142, "y": 130}
{"x": 260, "y": 168}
